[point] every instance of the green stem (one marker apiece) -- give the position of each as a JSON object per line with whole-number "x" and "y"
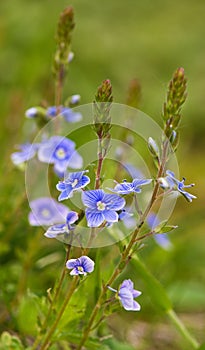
{"x": 126, "y": 255}
{"x": 182, "y": 329}
{"x": 47, "y": 339}
{"x": 53, "y": 301}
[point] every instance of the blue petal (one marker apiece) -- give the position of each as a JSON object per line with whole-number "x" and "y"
{"x": 90, "y": 198}
{"x": 83, "y": 182}
{"x": 87, "y": 263}
{"x": 72, "y": 217}
{"x": 152, "y": 220}
{"x": 113, "y": 201}
{"x": 61, "y": 186}
{"x": 141, "y": 182}
{"x": 110, "y": 215}
{"x": 65, "y": 195}
{"x": 163, "y": 241}
{"x": 94, "y": 219}
{"x": 126, "y": 298}
{"x": 123, "y": 188}
{"x": 55, "y": 230}
{"x": 71, "y": 263}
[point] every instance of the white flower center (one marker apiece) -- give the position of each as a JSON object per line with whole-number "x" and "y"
{"x": 60, "y": 153}
{"x": 45, "y": 213}
{"x": 101, "y": 205}
{"x": 75, "y": 182}
{"x": 80, "y": 269}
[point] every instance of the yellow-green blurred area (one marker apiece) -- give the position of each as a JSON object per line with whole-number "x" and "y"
{"x": 119, "y": 40}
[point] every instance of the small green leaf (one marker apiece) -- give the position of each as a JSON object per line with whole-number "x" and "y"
{"x": 166, "y": 229}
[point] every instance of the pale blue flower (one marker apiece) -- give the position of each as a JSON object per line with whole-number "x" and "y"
{"x": 101, "y": 207}
{"x": 73, "y": 182}
{"x": 179, "y": 186}
{"x": 61, "y": 152}
{"x": 68, "y": 114}
{"x": 63, "y": 229}
{"x": 80, "y": 266}
{"x": 46, "y": 211}
{"x": 27, "y": 151}
{"x": 130, "y": 187}
{"x": 126, "y": 295}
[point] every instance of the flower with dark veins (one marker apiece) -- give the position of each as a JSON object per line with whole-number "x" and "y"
{"x": 73, "y": 182}
{"x": 101, "y": 207}
{"x": 62, "y": 229}
{"x": 130, "y": 187}
{"x": 80, "y": 266}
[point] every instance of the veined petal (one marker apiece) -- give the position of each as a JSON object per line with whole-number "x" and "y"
{"x": 113, "y": 201}
{"x": 72, "y": 217}
{"x": 110, "y": 215}
{"x": 94, "y": 219}
{"x": 71, "y": 263}
{"x": 55, "y": 230}
{"x": 61, "y": 186}
{"x": 141, "y": 182}
{"x": 64, "y": 195}
{"x": 87, "y": 263}
{"x": 90, "y": 198}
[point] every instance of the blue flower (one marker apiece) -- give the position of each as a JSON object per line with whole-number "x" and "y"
{"x": 126, "y": 295}
{"x": 68, "y": 114}
{"x": 65, "y": 228}
{"x": 46, "y": 211}
{"x": 179, "y": 186}
{"x": 80, "y": 266}
{"x": 101, "y": 207}
{"x": 61, "y": 152}
{"x": 161, "y": 239}
{"x": 73, "y": 182}
{"x": 131, "y": 187}
{"x": 27, "y": 151}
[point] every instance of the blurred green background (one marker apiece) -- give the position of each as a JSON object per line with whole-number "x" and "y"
{"x": 119, "y": 40}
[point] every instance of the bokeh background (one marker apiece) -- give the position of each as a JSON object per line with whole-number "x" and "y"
{"x": 119, "y": 40}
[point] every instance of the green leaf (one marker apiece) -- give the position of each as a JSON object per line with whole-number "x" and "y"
{"x": 28, "y": 314}
{"x": 164, "y": 228}
{"x": 153, "y": 287}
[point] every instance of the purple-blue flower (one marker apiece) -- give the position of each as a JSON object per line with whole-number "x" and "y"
{"x": 161, "y": 239}
{"x": 65, "y": 228}
{"x": 179, "y": 186}
{"x": 27, "y": 151}
{"x": 131, "y": 187}
{"x": 61, "y": 152}
{"x": 101, "y": 207}
{"x": 126, "y": 295}
{"x": 80, "y": 266}
{"x": 68, "y": 114}
{"x": 73, "y": 182}
{"x": 47, "y": 211}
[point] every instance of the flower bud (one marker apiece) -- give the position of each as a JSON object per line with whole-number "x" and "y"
{"x": 154, "y": 150}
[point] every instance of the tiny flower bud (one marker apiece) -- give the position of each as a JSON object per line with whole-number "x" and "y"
{"x": 154, "y": 150}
